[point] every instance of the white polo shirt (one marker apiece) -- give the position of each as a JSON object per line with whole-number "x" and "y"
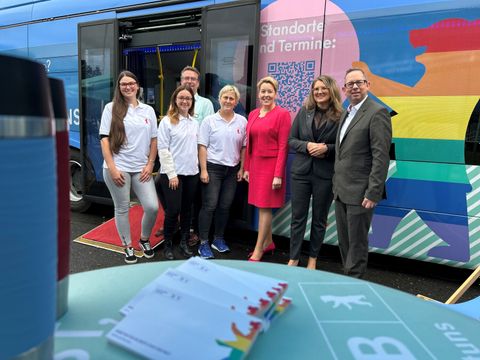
{"x": 223, "y": 139}
{"x": 177, "y": 147}
{"x": 140, "y": 127}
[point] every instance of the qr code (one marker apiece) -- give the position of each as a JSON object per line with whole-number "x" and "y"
{"x": 294, "y": 80}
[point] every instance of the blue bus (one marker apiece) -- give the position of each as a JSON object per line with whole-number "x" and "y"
{"x": 422, "y": 57}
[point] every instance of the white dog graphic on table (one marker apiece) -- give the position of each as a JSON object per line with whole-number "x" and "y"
{"x": 347, "y": 301}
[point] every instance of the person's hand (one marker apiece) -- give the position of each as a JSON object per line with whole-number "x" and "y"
{"x": 368, "y": 204}
{"x": 311, "y": 146}
{"x": 276, "y": 183}
{"x": 204, "y": 176}
{"x": 240, "y": 175}
{"x": 173, "y": 183}
{"x": 246, "y": 176}
{"x": 146, "y": 173}
{"x": 117, "y": 177}
{"x": 317, "y": 150}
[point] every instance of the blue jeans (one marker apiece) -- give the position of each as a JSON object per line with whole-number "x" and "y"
{"x": 217, "y": 197}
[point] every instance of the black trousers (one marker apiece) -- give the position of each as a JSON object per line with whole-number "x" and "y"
{"x": 353, "y": 223}
{"x": 303, "y": 188}
{"x": 177, "y": 203}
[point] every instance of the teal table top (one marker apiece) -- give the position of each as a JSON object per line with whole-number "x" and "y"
{"x": 332, "y": 317}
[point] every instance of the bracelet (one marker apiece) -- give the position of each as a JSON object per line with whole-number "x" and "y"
{"x": 152, "y": 161}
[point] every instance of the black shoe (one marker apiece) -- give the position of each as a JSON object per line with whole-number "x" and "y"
{"x": 194, "y": 239}
{"x": 168, "y": 251}
{"x": 185, "y": 249}
{"x": 147, "y": 248}
{"x": 130, "y": 257}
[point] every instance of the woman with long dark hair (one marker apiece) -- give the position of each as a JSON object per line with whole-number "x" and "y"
{"x": 312, "y": 137}
{"x": 128, "y": 137}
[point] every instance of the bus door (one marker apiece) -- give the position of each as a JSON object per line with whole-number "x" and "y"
{"x": 230, "y": 43}
{"x": 156, "y": 49}
{"x": 98, "y": 65}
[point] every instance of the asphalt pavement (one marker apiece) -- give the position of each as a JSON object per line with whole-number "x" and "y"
{"x": 414, "y": 277}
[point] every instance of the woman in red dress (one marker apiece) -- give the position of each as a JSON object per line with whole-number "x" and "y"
{"x": 265, "y": 159}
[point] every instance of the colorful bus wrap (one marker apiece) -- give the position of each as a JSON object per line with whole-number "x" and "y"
{"x": 421, "y": 56}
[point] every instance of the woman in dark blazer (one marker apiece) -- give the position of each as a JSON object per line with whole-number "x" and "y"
{"x": 312, "y": 136}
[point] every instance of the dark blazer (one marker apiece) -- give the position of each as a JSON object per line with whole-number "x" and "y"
{"x": 300, "y": 134}
{"x": 362, "y": 159}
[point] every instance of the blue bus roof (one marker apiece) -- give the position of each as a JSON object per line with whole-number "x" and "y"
{"x": 21, "y": 11}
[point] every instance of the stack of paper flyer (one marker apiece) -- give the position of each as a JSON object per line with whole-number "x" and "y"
{"x": 199, "y": 310}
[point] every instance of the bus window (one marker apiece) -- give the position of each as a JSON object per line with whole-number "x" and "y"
{"x": 472, "y": 138}
{"x": 229, "y": 39}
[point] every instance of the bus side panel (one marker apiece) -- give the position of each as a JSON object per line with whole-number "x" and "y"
{"x": 14, "y": 14}
{"x": 14, "y": 41}
{"x": 57, "y": 8}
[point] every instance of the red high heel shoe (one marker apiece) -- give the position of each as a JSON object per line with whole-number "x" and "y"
{"x": 253, "y": 260}
{"x": 269, "y": 249}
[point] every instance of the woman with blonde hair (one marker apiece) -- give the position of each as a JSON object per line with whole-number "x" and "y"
{"x": 265, "y": 160}
{"x": 313, "y": 137}
{"x": 221, "y": 149}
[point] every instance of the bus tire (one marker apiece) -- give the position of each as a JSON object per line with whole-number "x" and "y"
{"x": 77, "y": 201}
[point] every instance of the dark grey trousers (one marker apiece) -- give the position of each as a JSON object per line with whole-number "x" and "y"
{"x": 303, "y": 188}
{"x": 353, "y": 223}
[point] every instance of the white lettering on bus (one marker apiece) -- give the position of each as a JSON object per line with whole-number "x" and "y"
{"x": 288, "y": 46}
{"x": 293, "y": 29}
{"x": 73, "y": 116}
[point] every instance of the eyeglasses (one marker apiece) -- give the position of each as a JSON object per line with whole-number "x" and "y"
{"x": 124, "y": 85}
{"x": 189, "y": 78}
{"x": 359, "y": 83}
{"x": 184, "y": 98}
{"x": 320, "y": 89}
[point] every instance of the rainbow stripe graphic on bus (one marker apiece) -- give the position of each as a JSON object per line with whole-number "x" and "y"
{"x": 430, "y": 126}
{"x": 423, "y": 65}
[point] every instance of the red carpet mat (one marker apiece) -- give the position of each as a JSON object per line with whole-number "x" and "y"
{"x": 105, "y": 236}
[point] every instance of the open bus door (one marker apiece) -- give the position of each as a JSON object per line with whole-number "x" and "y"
{"x": 98, "y": 68}
{"x": 230, "y": 48}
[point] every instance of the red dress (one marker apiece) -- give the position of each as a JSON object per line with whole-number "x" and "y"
{"x": 266, "y": 156}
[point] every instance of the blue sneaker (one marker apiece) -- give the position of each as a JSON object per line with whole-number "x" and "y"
{"x": 220, "y": 245}
{"x": 204, "y": 250}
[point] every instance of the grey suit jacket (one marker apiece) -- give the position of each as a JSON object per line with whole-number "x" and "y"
{"x": 300, "y": 134}
{"x": 362, "y": 158}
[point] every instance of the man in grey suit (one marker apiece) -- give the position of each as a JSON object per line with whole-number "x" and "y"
{"x": 361, "y": 166}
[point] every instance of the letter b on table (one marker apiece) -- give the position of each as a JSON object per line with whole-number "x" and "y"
{"x": 378, "y": 348}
